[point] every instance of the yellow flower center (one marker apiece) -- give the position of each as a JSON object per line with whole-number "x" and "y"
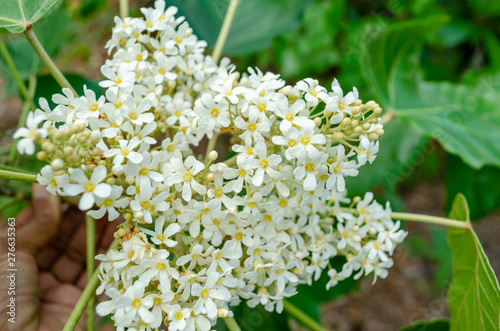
{"x": 264, "y": 164}
{"x": 138, "y": 57}
{"x": 53, "y": 182}
{"x": 282, "y": 203}
{"x": 188, "y": 176}
{"x": 204, "y": 293}
{"x": 218, "y": 193}
{"x": 313, "y": 93}
{"x": 131, "y": 254}
{"x": 249, "y": 151}
{"x": 214, "y": 112}
{"x": 178, "y": 113}
{"x": 252, "y": 204}
{"x": 118, "y": 104}
{"x": 145, "y": 205}
{"x": 89, "y": 187}
{"x": 289, "y": 117}
{"x": 309, "y": 166}
{"x": 178, "y": 315}
{"x": 170, "y": 148}
{"x": 157, "y": 301}
{"x": 261, "y": 106}
{"x": 118, "y": 81}
{"x": 252, "y": 127}
{"x": 107, "y": 202}
{"x": 144, "y": 171}
{"x": 242, "y": 172}
{"x": 132, "y": 116}
{"x": 137, "y": 303}
{"x": 178, "y": 40}
{"x": 239, "y": 236}
{"x": 162, "y": 71}
{"x": 149, "y": 25}
{"x": 94, "y": 107}
{"x": 305, "y": 140}
{"x": 292, "y": 142}
{"x": 161, "y": 266}
{"x": 341, "y": 105}
{"x": 125, "y": 152}
{"x": 160, "y": 237}
{"x": 336, "y": 169}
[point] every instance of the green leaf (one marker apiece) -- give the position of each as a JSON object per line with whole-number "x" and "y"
{"x": 476, "y": 185}
{"x": 465, "y": 120}
{"x": 255, "y": 24}
{"x": 436, "y": 325}
{"x": 259, "y": 319}
{"x": 474, "y": 295}
{"x": 16, "y": 15}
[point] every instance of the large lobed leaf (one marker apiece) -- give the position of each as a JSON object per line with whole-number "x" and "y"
{"x": 255, "y": 24}
{"x": 474, "y": 295}
{"x": 465, "y": 120}
{"x": 16, "y": 15}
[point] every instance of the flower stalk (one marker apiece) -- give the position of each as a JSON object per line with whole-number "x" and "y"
{"x": 231, "y": 324}
{"x": 88, "y": 293}
{"x": 421, "y": 218}
{"x": 42, "y": 54}
{"x": 90, "y": 226}
{"x": 299, "y": 315}
{"x": 20, "y": 176}
{"x": 224, "y": 31}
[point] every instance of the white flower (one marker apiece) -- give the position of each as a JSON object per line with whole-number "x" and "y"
{"x": 53, "y": 183}
{"x": 125, "y": 151}
{"x": 30, "y": 134}
{"x": 340, "y": 169}
{"x": 91, "y": 188}
{"x": 161, "y": 236}
{"x": 137, "y": 114}
{"x": 185, "y": 172}
{"x": 206, "y": 295}
{"x": 311, "y": 91}
{"x": 121, "y": 78}
{"x": 110, "y": 204}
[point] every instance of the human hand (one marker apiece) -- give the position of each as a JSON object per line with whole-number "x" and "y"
{"x": 50, "y": 263}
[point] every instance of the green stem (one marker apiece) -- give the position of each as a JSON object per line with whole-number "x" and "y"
{"x": 22, "y": 87}
{"x": 226, "y": 25}
{"x": 90, "y": 225}
{"x": 124, "y": 8}
{"x": 20, "y": 176}
{"x": 422, "y": 218}
{"x": 88, "y": 293}
{"x": 24, "y": 112}
{"x": 42, "y": 54}
{"x": 387, "y": 117}
{"x": 299, "y": 315}
{"x": 12, "y": 169}
{"x": 211, "y": 145}
{"x": 231, "y": 323}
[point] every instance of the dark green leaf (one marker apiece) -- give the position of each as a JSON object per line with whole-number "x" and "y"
{"x": 255, "y": 24}
{"x": 436, "y": 325}
{"x": 259, "y": 319}
{"x": 16, "y": 15}
{"x": 465, "y": 120}
{"x": 478, "y": 186}
{"x": 474, "y": 295}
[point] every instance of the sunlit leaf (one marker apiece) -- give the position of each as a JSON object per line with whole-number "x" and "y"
{"x": 16, "y": 15}
{"x": 436, "y": 325}
{"x": 474, "y": 295}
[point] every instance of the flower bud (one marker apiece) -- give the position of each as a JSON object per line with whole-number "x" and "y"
{"x": 358, "y": 129}
{"x": 286, "y": 90}
{"x": 95, "y": 137}
{"x": 380, "y": 132}
{"x": 212, "y": 156}
{"x": 210, "y": 177}
{"x": 138, "y": 215}
{"x": 317, "y": 121}
{"x": 345, "y": 122}
{"x": 42, "y": 156}
{"x": 222, "y": 312}
{"x": 130, "y": 180}
{"x": 372, "y": 136}
{"x": 110, "y": 180}
{"x": 57, "y": 164}
{"x": 377, "y": 111}
{"x": 356, "y": 199}
{"x": 338, "y": 136}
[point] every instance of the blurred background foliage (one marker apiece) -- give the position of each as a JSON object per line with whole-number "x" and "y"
{"x": 435, "y": 63}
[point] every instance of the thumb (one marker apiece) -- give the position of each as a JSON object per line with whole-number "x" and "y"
{"x": 41, "y": 224}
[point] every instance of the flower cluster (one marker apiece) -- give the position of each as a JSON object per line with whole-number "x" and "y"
{"x": 205, "y": 228}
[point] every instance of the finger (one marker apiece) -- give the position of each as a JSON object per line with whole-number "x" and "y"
{"x": 26, "y": 292}
{"x": 72, "y": 219}
{"x": 43, "y": 223}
